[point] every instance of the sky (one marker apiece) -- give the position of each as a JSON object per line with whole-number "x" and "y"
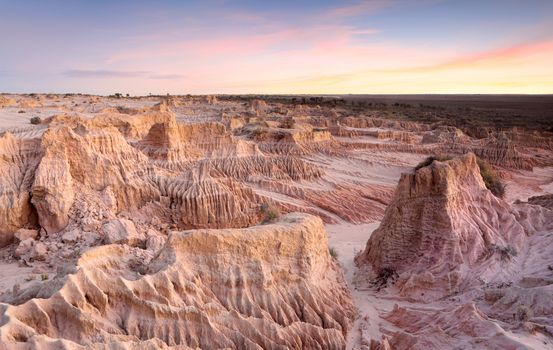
{"x": 276, "y": 47}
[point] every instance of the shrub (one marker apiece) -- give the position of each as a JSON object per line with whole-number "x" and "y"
{"x": 429, "y": 160}
{"x": 288, "y": 123}
{"x": 333, "y": 253}
{"x": 385, "y": 274}
{"x": 523, "y": 313}
{"x": 44, "y": 276}
{"x": 36, "y": 120}
{"x": 491, "y": 179}
{"x": 270, "y": 212}
{"x": 506, "y": 253}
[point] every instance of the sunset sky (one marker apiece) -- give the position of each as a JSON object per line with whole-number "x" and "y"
{"x": 226, "y": 46}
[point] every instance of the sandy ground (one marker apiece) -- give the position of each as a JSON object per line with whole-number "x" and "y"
{"x": 525, "y": 184}
{"x": 348, "y": 240}
{"x": 13, "y": 274}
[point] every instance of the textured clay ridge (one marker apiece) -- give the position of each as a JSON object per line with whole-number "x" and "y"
{"x": 96, "y": 195}
{"x": 267, "y": 287}
{"x": 441, "y": 223}
{"x": 465, "y": 258}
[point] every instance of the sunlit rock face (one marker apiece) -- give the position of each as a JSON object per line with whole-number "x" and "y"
{"x": 266, "y": 287}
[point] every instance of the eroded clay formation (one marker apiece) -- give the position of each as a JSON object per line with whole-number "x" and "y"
{"x": 448, "y": 242}
{"x": 192, "y": 222}
{"x": 266, "y": 287}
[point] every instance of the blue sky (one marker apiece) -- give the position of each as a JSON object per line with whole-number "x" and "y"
{"x": 373, "y": 46}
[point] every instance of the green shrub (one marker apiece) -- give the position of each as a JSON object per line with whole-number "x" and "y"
{"x": 491, "y": 179}
{"x": 270, "y": 212}
{"x": 333, "y": 253}
{"x": 429, "y": 160}
{"x": 44, "y": 276}
{"x": 36, "y": 120}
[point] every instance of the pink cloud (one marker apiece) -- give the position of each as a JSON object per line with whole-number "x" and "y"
{"x": 359, "y": 8}
{"x": 493, "y": 56}
{"x": 323, "y": 58}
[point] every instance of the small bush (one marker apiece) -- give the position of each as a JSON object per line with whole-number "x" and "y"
{"x": 429, "y": 160}
{"x": 44, "y": 276}
{"x": 333, "y": 253}
{"x": 523, "y": 313}
{"x": 270, "y": 212}
{"x": 385, "y": 274}
{"x": 491, "y": 179}
{"x": 288, "y": 123}
{"x": 260, "y": 134}
{"x": 506, "y": 253}
{"x": 36, "y": 120}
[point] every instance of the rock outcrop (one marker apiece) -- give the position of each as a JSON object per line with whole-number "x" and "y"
{"x": 440, "y": 228}
{"x": 94, "y": 201}
{"x": 203, "y": 201}
{"x": 471, "y": 269}
{"x": 499, "y": 150}
{"x": 52, "y": 191}
{"x": 545, "y": 201}
{"x": 18, "y": 162}
{"x": 267, "y": 287}
{"x": 7, "y": 101}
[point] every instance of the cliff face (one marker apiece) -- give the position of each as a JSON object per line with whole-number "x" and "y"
{"x": 18, "y": 162}
{"x": 273, "y": 286}
{"x": 52, "y": 191}
{"x": 441, "y": 223}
